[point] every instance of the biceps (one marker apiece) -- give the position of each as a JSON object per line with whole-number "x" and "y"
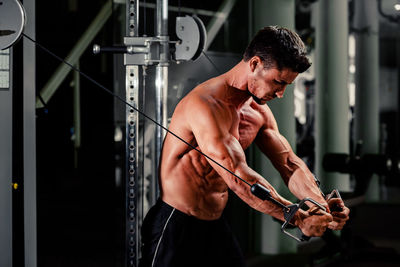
{"x": 225, "y": 150}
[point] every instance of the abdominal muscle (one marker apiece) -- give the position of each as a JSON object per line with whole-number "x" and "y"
{"x": 193, "y": 187}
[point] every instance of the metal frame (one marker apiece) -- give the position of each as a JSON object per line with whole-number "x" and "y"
{"x": 6, "y": 107}
{"x": 29, "y": 138}
{"x": 161, "y": 84}
{"x": 142, "y": 51}
{"x": 77, "y": 137}
{"x": 218, "y": 17}
{"x": 132, "y": 247}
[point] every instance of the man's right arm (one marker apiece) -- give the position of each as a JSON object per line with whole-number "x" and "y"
{"x": 210, "y": 123}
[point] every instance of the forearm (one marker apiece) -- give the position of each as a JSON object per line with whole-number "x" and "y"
{"x": 292, "y": 169}
{"x": 264, "y": 206}
{"x": 302, "y": 184}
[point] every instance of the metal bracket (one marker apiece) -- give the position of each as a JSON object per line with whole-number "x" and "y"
{"x": 139, "y": 51}
{"x": 143, "y": 50}
{"x": 146, "y": 51}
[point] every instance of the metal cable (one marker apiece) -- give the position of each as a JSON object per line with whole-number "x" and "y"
{"x": 212, "y": 63}
{"x": 134, "y": 108}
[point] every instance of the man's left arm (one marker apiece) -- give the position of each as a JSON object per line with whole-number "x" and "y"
{"x": 293, "y": 170}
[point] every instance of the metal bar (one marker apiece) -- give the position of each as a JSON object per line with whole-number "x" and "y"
{"x": 161, "y": 108}
{"x": 217, "y": 22}
{"x": 161, "y": 84}
{"x": 77, "y": 114}
{"x": 6, "y": 94}
{"x": 29, "y": 138}
{"x": 132, "y": 155}
{"x": 132, "y": 248}
{"x": 162, "y": 17}
{"x": 87, "y": 37}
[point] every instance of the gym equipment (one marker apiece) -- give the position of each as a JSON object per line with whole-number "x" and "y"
{"x": 363, "y": 167}
{"x": 353, "y": 247}
{"x": 288, "y": 211}
{"x": 12, "y": 22}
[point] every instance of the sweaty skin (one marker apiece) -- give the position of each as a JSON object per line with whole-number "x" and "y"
{"x": 220, "y": 118}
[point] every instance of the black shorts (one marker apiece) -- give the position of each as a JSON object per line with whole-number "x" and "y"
{"x": 170, "y": 238}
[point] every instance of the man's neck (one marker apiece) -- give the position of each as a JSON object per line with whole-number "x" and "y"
{"x": 236, "y": 80}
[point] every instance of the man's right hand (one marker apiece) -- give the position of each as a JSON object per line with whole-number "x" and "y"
{"x": 314, "y": 221}
{"x": 339, "y": 212}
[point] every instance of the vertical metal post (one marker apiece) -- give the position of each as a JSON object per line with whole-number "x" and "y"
{"x": 161, "y": 84}
{"x": 6, "y": 106}
{"x": 77, "y": 115}
{"x": 367, "y": 82}
{"x": 132, "y": 130}
{"x": 282, "y": 13}
{"x": 29, "y": 138}
{"x": 332, "y": 93}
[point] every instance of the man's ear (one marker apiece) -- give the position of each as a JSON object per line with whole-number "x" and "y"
{"x": 254, "y": 61}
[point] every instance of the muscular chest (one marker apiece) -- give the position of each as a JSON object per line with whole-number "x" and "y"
{"x": 247, "y": 126}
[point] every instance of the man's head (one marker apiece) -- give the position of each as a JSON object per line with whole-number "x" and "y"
{"x": 274, "y": 57}
{"x": 279, "y": 48}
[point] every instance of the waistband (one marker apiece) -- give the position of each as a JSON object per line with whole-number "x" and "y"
{"x": 165, "y": 207}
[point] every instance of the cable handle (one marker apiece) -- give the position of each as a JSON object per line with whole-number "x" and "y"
{"x": 289, "y": 211}
{"x": 334, "y": 194}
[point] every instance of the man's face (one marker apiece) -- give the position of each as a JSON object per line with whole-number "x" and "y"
{"x": 266, "y": 84}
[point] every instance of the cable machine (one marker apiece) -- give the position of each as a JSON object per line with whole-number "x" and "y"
{"x": 138, "y": 51}
{"x": 146, "y": 51}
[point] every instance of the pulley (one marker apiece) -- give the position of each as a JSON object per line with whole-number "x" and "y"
{"x": 12, "y": 22}
{"x": 193, "y": 38}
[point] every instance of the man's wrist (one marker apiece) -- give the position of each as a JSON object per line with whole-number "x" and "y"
{"x": 315, "y": 207}
{"x": 298, "y": 218}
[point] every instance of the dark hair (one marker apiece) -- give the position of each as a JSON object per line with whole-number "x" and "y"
{"x": 278, "y": 47}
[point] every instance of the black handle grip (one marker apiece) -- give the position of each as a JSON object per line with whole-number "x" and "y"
{"x": 334, "y": 194}
{"x": 336, "y": 208}
{"x": 260, "y": 191}
{"x": 305, "y": 238}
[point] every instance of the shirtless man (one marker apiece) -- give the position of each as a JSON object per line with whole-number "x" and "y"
{"x": 222, "y": 117}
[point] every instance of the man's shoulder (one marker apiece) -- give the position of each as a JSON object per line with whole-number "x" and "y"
{"x": 201, "y": 97}
{"x": 265, "y": 112}
{"x": 193, "y": 107}
{"x": 195, "y": 99}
